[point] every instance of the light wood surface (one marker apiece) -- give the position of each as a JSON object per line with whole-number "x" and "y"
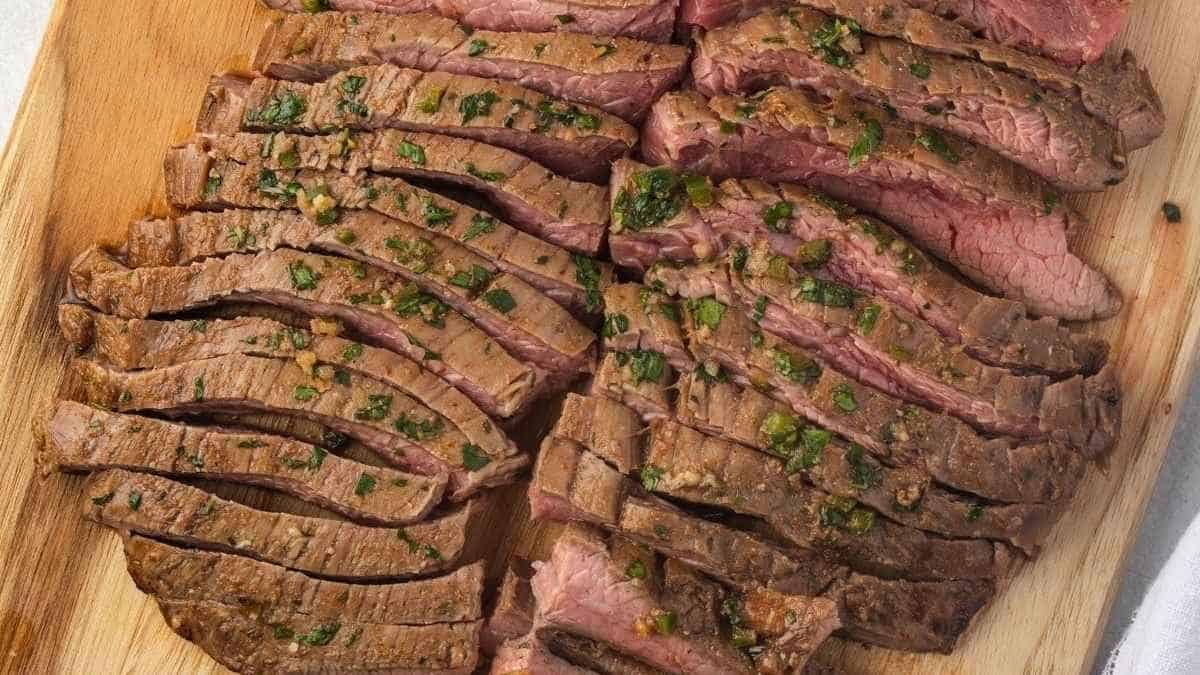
{"x": 116, "y": 82}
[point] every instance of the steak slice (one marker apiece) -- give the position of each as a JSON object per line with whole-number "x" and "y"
{"x": 244, "y": 642}
{"x": 905, "y": 436}
{"x": 181, "y": 574}
{"x": 510, "y": 616}
{"x": 596, "y": 656}
{"x": 157, "y": 507}
{"x": 82, "y": 438}
{"x": 373, "y": 302}
{"x": 572, "y": 485}
{"x": 642, "y": 19}
{"x": 575, "y": 141}
{"x": 135, "y": 344}
{"x": 1114, "y": 89}
{"x": 859, "y": 251}
{"x": 882, "y": 345}
{"x": 617, "y": 379}
{"x": 530, "y": 655}
{"x": 1038, "y": 128}
{"x": 605, "y": 427}
{"x": 1070, "y": 32}
{"x": 564, "y": 212}
{"x": 997, "y": 224}
{"x": 573, "y": 280}
{"x": 688, "y": 465}
{"x": 584, "y": 590}
{"x": 399, "y": 428}
{"x": 639, "y": 318}
{"x": 521, "y": 319}
{"x": 620, "y": 76}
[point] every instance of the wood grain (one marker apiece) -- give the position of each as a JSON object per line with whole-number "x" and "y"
{"x": 115, "y": 83}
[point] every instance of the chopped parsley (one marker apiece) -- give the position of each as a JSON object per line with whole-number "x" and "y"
{"x": 636, "y": 569}
{"x": 477, "y": 105}
{"x": 304, "y": 392}
{"x": 614, "y": 324}
{"x": 473, "y": 279}
{"x": 477, "y": 47}
{"x": 587, "y": 273}
{"x": 777, "y": 215}
{"x": 283, "y": 110}
{"x": 933, "y": 142}
{"x": 419, "y": 429}
{"x": 867, "y": 142}
{"x": 920, "y": 70}
{"x": 868, "y": 317}
{"x": 828, "y": 293}
{"x": 485, "y": 176}
{"x": 650, "y": 198}
{"x": 303, "y": 277}
{"x": 650, "y": 476}
{"x": 198, "y": 389}
{"x": 815, "y": 253}
{"x": 473, "y": 457}
{"x": 826, "y": 40}
{"x": 500, "y": 300}
{"x": 314, "y": 461}
{"x": 863, "y": 474}
{"x": 798, "y": 369}
{"x": 644, "y": 365}
{"x": 319, "y": 636}
{"x": 707, "y": 311}
{"x": 135, "y": 500}
{"x": 377, "y": 408}
{"x": 365, "y": 484}
{"x": 480, "y": 224}
{"x": 436, "y": 216}
{"x": 843, "y": 398}
{"x": 412, "y": 152}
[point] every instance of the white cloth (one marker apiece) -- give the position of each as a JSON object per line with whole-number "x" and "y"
{"x": 1164, "y": 637}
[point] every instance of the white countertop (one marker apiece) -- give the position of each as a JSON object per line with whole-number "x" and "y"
{"x": 1176, "y": 499}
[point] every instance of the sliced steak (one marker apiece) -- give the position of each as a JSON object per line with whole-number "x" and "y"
{"x": 685, "y": 464}
{"x": 857, "y": 250}
{"x": 882, "y": 345}
{"x": 510, "y": 616}
{"x": 906, "y": 436}
{"x": 629, "y": 378}
{"x": 607, "y": 428}
{"x": 81, "y": 438}
{"x": 620, "y": 76}
{"x": 245, "y": 642}
{"x": 997, "y": 224}
{"x": 1038, "y": 128}
{"x": 1071, "y": 32}
{"x": 529, "y": 655}
{"x": 639, "y": 318}
{"x": 583, "y": 590}
{"x": 573, "y": 280}
{"x": 520, "y": 318}
{"x": 564, "y": 212}
{"x": 396, "y": 426}
{"x": 135, "y": 344}
{"x": 1114, "y": 89}
{"x": 643, "y": 19}
{"x": 373, "y": 302}
{"x": 578, "y": 142}
{"x": 183, "y": 574}
{"x": 156, "y": 507}
{"x": 570, "y": 484}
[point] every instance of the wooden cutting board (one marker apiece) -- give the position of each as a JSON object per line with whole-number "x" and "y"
{"x": 116, "y": 82}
